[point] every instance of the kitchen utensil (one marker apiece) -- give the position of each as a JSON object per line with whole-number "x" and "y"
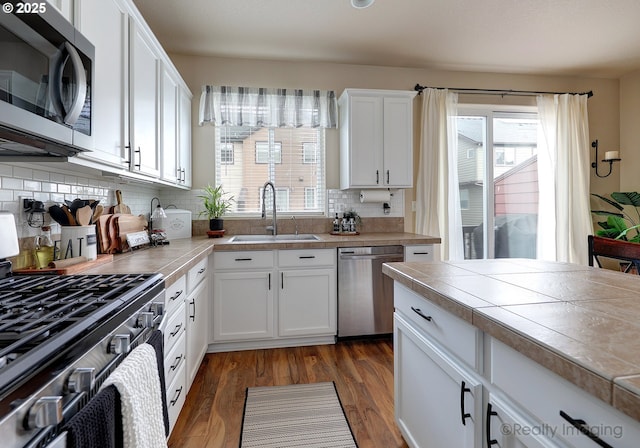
{"x": 120, "y": 207}
{"x": 97, "y": 212}
{"x": 58, "y": 215}
{"x": 83, "y": 215}
{"x": 103, "y": 232}
{"x": 71, "y": 219}
{"x": 79, "y": 241}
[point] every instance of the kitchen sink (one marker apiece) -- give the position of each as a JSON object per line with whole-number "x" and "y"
{"x": 273, "y": 238}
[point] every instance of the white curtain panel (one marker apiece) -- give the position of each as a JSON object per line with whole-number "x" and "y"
{"x": 263, "y": 107}
{"x": 564, "y": 217}
{"x": 437, "y": 192}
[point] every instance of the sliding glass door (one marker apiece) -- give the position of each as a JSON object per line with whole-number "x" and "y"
{"x": 498, "y": 182}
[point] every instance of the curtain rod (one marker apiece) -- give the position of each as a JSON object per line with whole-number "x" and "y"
{"x": 420, "y": 88}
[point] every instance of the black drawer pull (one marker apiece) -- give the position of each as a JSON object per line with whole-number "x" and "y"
{"x": 175, "y": 365}
{"x": 421, "y": 253}
{"x": 487, "y": 430}
{"x": 582, "y": 426}
{"x": 202, "y": 270}
{"x": 175, "y": 400}
{"x": 419, "y": 312}
{"x": 307, "y": 256}
{"x": 244, "y": 259}
{"x": 174, "y": 297}
{"x": 176, "y": 330}
{"x": 464, "y": 415}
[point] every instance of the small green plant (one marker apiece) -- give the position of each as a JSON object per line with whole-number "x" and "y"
{"x": 620, "y": 225}
{"x": 214, "y": 201}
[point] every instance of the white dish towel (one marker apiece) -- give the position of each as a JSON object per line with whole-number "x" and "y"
{"x": 137, "y": 380}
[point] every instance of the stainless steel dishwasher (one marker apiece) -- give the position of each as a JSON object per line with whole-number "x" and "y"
{"x": 365, "y": 294}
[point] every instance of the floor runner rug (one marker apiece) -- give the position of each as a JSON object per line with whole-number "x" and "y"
{"x": 298, "y": 415}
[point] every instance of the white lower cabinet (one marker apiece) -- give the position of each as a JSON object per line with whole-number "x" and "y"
{"x": 437, "y": 404}
{"x": 273, "y": 298}
{"x": 197, "y": 317}
{"x": 242, "y": 305}
{"x": 509, "y": 400}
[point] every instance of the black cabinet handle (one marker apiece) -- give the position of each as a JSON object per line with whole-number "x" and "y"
{"x": 175, "y": 365}
{"x": 174, "y": 297}
{"x": 193, "y": 316}
{"x": 421, "y": 253}
{"x": 487, "y": 430}
{"x": 387, "y": 177}
{"x": 306, "y": 256}
{"x": 175, "y": 400}
{"x": 176, "y": 330}
{"x": 582, "y": 426}
{"x": 244, "y": 259}
{"x": 377, "y": 177}
{"x": 282, "y": 280}
{"x": 419, "y": 312}
{"x": 269, "y": 281}
{"x": 139, "y": 152}
{"x": 201, "y": 271}
{"x": 464, "y": 415}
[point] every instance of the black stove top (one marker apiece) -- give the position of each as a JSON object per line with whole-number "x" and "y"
{"x": 43, "y": 317}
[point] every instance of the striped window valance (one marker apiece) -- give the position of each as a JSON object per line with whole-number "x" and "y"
{"x": 267, "y": 107}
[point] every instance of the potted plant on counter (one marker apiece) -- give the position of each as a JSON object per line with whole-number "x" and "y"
{"x": 216, "y": 203}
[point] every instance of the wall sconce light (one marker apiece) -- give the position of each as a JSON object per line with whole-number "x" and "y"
{"x": 157, "y": 213}
{"x": 609, "y": 156}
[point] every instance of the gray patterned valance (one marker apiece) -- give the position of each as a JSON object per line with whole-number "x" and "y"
{"x": 264, "y": 107}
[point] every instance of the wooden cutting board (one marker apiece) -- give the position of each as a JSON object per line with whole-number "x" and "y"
{"x": 73, "y": 269}
{"x": 103, "y": 233}
{"x": 124, "y": 224}
{"x": 120, "y": 207}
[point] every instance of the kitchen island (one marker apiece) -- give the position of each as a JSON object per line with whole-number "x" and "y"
{"x": 540, "y": 329}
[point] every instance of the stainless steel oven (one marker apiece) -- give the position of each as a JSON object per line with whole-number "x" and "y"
{"x": 46, "y": 74}
{"x": 60, "y": 338}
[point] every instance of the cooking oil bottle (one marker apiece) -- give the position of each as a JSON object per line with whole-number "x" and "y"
{"x": 44, "y": 248}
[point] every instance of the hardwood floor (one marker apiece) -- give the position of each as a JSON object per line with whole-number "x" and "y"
{"x": 362, "y": 371}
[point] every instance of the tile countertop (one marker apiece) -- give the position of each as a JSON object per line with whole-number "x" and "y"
{"x": 580, "y": 322}
{"x": 176, "y": 258}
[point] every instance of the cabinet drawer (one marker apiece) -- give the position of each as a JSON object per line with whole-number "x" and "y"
{"x": 544, "y": 395}
{"x": 421, "y": 252}
{"x": 452, "y": 333}
{"x": 174, "y": 358}
{"x": 176, "y": 394}
{"x": 174, "y": 295}
{"x": 196, "y": 274}
{"x": 306, "y": 257}
{"x": 250, "y": 259}
{"x": 174, "y": 327}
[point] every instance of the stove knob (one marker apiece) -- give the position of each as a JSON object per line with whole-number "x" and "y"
{"x": 145, "y": 319}
{"x": 81, "y": 380}
{"x": 46, "y": 411}
{"x": 120, "y": 344}
{"x": 157, "y": 308}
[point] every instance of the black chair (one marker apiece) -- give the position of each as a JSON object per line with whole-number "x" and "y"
{"x": 628, "y": 253}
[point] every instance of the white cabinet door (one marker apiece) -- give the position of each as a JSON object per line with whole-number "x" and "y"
{"x": 365, "y": 141}
{"x": 169, "y": 127}
{"x": 243, "y": 305}
{"x": 197, "y": 338}
{"x": 307, "y": 302}
{"x": 184, "y": 137}
{"x": 105, "y": 24}
{"x": 144, "y": 102}
{"x": 419, "y": 252}
{"x": 398, "y": 142}
{"x": 436, "y": 403}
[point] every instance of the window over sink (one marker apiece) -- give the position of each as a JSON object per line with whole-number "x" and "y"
{"x": 275, "y": 135}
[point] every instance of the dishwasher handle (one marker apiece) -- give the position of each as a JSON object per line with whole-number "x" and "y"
{"x": 387, "y": 257}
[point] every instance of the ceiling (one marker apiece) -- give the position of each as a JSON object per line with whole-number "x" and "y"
{"x": 599, "y": 38}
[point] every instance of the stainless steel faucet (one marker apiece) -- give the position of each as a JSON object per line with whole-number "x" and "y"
{"x": 274, "y": 227}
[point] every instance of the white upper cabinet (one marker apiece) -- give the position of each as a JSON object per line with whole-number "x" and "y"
{"x": 144, "y": 103}
{"x": 376, "y": 139}
{"x": 64, "y": 7}
{"x": 105, "y": 24}
{"x": 140, "y": 103}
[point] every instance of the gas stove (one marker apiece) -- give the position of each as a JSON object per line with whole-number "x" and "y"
{"x": 60, "y": 337}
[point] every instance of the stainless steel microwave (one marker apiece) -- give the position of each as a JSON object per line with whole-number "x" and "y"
{"x": 46, "y": 74}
